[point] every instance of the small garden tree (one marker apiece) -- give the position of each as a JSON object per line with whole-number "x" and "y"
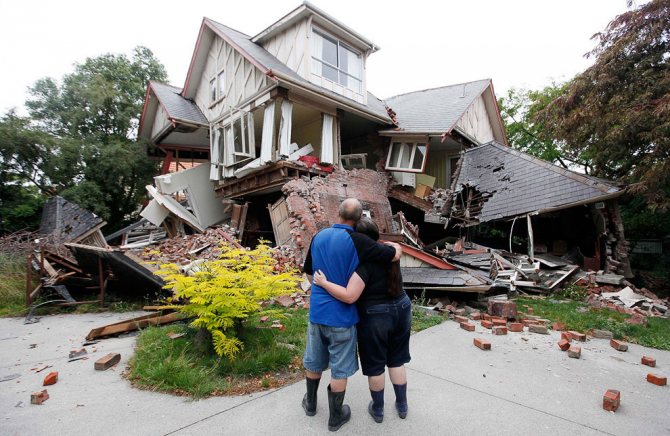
{"x": 223, "y": 293}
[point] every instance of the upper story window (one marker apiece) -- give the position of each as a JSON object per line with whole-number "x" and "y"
{"x": 407, "y": 156}
{"x": 217, "y": 87}
{"x": 336, "y": 61}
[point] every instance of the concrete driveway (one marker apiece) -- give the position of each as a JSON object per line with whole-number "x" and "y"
{"x": 519, "y": 387}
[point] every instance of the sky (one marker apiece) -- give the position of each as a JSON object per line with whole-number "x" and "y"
{"x": 424, "y": 43}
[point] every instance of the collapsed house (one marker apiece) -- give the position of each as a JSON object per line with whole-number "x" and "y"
{"x": 270, "y": 132}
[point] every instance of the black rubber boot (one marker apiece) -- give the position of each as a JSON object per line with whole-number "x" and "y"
{"x": 401, "y": 400}
{"x": 339, "y": 413}
{"x": 309, "y": 400}
{"x": 376, "y": 406}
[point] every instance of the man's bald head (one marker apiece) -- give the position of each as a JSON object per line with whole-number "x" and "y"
{"x": 350, "y": 210}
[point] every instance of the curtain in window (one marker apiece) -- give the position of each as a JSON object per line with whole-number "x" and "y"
{"x": 327, "y": 152}
{"x": 268, "y": 133}
{"x": 214, "y": 155}
{"x": 285, "y": 128}
{"x": 317, "y": 52}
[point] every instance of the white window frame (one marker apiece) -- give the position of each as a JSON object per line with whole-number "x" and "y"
{"x": 248, "y": 140}
{"x": 216, "y": 90}
{"x": 338, "y": 42}
{"x": 412, "y": 145}
{"x": 212, "y": 90}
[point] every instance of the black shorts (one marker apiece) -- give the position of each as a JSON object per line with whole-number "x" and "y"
{"x": 383, "y": 335}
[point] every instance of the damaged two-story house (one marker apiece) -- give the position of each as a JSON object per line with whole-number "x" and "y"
{"x": 270, "y": 132}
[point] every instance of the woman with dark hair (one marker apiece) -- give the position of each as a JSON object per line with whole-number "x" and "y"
{"x": 384, "y": 328}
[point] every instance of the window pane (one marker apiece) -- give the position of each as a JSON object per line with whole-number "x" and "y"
{"x": 212, "y": 90}
{"x": 222, "y": 84}
{"x": 395, "y": 153}
{"x": 245, "y": 133}
{"x": 237, "y": 135}
{"x": 350, "y": 82}
{"x": 406, "y": 155}
{"x": 350, "y": 62}
{"x": 329, "y": 72}
{"x": 419, "y": 156}
{"x": 222, "y": 136}
{"x": 329, "y": 54}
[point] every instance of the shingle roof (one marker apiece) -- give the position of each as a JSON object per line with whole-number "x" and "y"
{"x": 176, "y": 105}
{"x": 435, "y": 110}
{"x": 64, "y": 221}
{"x": 519, "y": 183}
{"x": 267, "y": 60}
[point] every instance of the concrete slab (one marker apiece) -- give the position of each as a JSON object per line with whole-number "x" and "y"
{"x": 519, "y": 387}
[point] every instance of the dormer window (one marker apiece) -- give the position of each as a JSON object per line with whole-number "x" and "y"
{"x": 335, "y": 61}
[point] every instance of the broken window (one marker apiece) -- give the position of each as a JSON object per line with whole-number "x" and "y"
{"x": 236, "y": 139}
{"x": 407, "y": 156}
{"x": 212, "y": 90}
{"x": 336, "y": 61}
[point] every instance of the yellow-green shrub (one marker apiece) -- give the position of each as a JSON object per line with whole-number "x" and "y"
{"x": 227, "y": 291}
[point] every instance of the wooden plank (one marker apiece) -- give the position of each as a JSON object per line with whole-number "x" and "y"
{"x": 133, "y": 324}
{"x": 564, "y": 276}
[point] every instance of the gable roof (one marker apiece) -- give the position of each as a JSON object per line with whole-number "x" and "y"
{"x": 435, "y": 110}
{"x": 515, "y": 183}
{"x": 270, "y": 65}
{"x": 176, "y": 106}
{"x": 64, "y": 221}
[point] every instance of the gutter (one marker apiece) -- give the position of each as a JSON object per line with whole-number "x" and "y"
{"x": 577, "y": 203}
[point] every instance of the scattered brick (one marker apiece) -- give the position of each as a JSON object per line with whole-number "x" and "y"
{"x": 467, "y": 326}
{"x": 486, "y": 316}
{"x": 499, "y": 322}
{"x": 487, "y": 324}
{"x": 539, "y": 329}
{"x": 515, "y": 327}
{"x": 563, "y": 344}
{"x": 529, "y": 322}
{"x": 264, "y": 318}
{"x": 575, "y": 352}
{"x": 499, "y": 330}
{"x": 460, "y": 312}
{"x": 649, "y": 361}
{"x": 476, "y": 316}
{"x": 581, "y": 337}
{"x": 77, "y": 353}
{"x": 106, "y": 362}
{"x": 482, "y": 343}
{"x": 618, "y": 345}
{"x": 39, "y": 397}
{"x": 567, "y": 336}
{"x": 611, "y": 400}
{"x": 50, "y": 379}
{"x": 658, "y": 380}
{"x": 603, "y": 334}
{"x": 459, "y": 318}
{"x": 502, "y": 309}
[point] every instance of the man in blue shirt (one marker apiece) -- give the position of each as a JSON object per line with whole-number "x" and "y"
{"x": 331, "y": 334}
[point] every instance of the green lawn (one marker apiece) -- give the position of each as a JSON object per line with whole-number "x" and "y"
{"x": 13, "y": 285}
{"x": 655, "y": 335}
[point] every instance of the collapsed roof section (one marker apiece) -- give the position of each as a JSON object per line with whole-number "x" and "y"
{"x": 496, "y": 182}
{"x": 64, "y": 221}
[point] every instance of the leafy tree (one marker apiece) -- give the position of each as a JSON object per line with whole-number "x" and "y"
{"x": 616, "y": 114}
{"x": 80, "y": 139}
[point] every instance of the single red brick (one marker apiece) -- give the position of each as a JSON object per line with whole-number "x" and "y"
{"x": 649, "y": 361}
{"x": 575, "y": 352}
{"x": 581, "y": 337}
{"x": 529, "y": 322}
{"x": 467, "y": 326}
{"x": 459, "y": 312}
{"x": 567, "y": 336}
{"x": 515, "y": 327}
{"x": 611, "y": 400}
{"x": 563, "y": 344}
{"x": 50, "y": 379}
{"x": 558, "y": 326}
{"x": 106, "y": 362}
{"x": 499, "y": 321}
{"x": 499, "y": 330}
{"x": 39, "y": 397}
{"x": 487, "y": 324}
{"x": 659, "y": 380}
{"x": 486, "y": 316}
{"x": 459, "y": 318}
{"x": 503, "y": 309}
{"x": 482, "y": 343}
{"x": 617, "y": 345}
{"x": 476, "y": 316}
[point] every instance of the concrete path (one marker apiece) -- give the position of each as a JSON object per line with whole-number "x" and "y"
{"x": 519, "y": 387}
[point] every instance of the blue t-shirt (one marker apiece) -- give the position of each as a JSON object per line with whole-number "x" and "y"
{"x": 337, "y": 252}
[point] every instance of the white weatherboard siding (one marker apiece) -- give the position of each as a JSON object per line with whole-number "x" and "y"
{"x": 242, "y": 79}
{"x": 476, "y": 123}
{"x": 160, "y": 121}
{"x": 291, "y": 47}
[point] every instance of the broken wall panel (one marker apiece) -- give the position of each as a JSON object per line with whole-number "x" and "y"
{"x": 313, "y": 204}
